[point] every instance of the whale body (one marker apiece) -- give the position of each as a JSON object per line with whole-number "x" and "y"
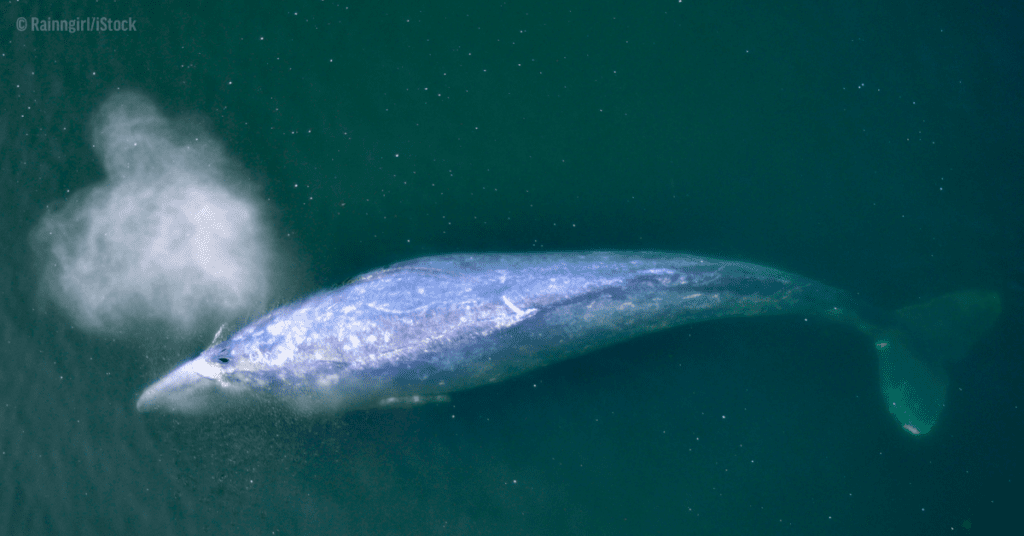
{"x": 421, "y": 329}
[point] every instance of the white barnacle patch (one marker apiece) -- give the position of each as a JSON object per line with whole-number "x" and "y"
{"x": 298, "y": 333}
{"x": 420, "y": 290}
{"x": 371, "y": 339}
{"x": 277, "y": 328}
{"x": 352, "y": 339}
{"x": 283, "y": 354}
{"x": 348, "y": 309}
{"x": 205, "y": 369}
{"x": 327, "y": 380}
{"x": 664, "y": 276}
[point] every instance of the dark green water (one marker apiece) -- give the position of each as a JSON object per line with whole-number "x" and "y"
{"x": 871, "y": 145}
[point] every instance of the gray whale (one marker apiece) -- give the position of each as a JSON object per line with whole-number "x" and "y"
{"x": 418, "y": 330}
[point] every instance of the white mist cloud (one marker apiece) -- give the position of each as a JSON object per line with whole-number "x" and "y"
{"x": 171, "y": 237}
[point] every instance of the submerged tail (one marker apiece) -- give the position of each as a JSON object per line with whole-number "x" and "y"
{"x": 911, "y": 354}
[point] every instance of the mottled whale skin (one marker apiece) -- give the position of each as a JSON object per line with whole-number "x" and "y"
{"x": 423, "y": 328}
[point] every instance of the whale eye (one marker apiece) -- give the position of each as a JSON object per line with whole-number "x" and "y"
{"x": 222, "y": 359}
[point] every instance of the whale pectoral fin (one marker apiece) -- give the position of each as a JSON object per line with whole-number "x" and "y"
{"x": 411, "y": 401}
{"x": 910, "y": 356}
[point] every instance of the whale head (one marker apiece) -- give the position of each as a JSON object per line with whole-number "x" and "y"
{"x": 207, "y": 384}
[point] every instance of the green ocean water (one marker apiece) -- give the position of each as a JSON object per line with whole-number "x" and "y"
{"x": 872, "y": 146}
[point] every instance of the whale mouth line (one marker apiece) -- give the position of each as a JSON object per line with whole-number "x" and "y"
{"x": 182, "y": 391}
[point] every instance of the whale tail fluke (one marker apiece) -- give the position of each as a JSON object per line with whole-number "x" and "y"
{"x": 911, "y": 354}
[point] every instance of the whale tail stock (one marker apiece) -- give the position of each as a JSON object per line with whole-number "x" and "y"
{"x": 913, "y": 350}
